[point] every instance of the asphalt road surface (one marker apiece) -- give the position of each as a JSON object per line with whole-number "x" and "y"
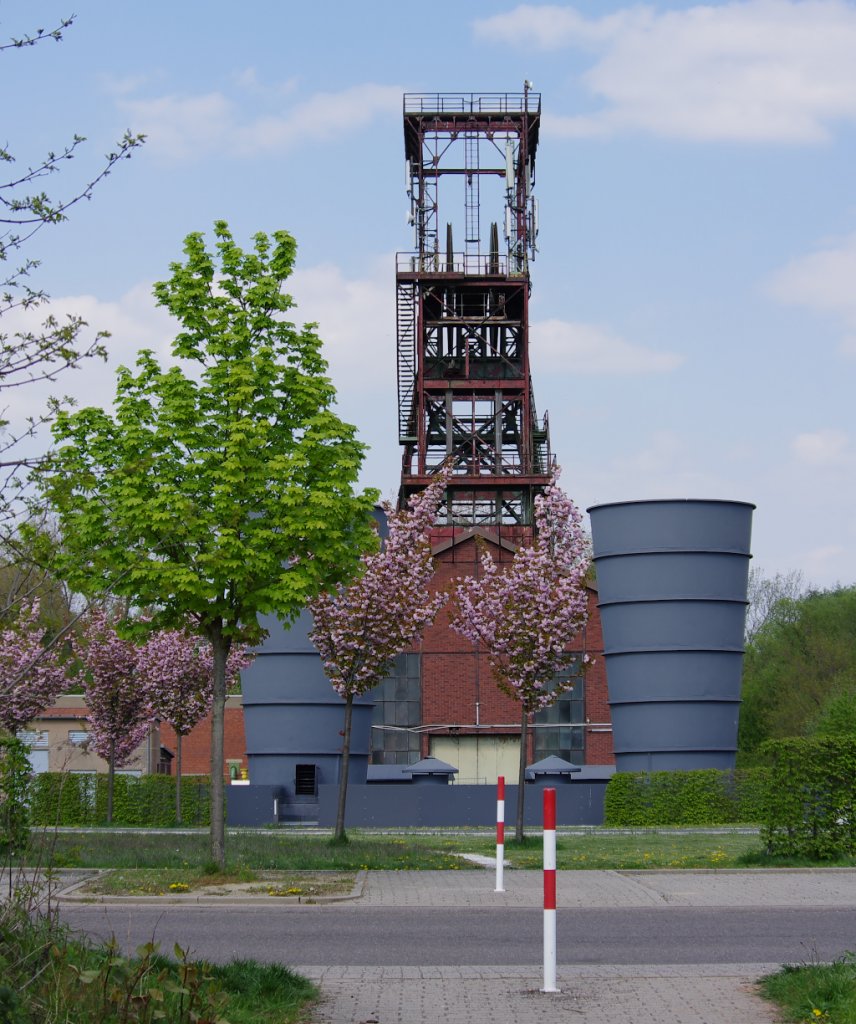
{"x": 349, "y": 935}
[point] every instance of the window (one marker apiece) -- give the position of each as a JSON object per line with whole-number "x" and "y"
{"x": 397, "y": 711}
{"x": 78, "y": 737}
{"x": 558, "y": 728}
{"x": 34, "y": 737}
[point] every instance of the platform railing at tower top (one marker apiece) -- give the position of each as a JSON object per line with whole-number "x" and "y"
{"x": 471, "y": 102}
{"x": 470, "y": 264}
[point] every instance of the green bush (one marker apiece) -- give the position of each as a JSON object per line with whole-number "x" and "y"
{"x": 14, "y": 794}
{"x": 69, "y": 799}
{"x": 702, "y": 797}
{"x": 810, "y": 803}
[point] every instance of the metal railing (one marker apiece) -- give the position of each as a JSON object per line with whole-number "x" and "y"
{"x": 471, "y": 102}
{"x": 476, "y": 264}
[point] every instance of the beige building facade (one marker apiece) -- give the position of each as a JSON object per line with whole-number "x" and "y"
{"x": 58, "y": 741}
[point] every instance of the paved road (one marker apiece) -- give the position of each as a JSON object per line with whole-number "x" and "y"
{"x": 380, "y": 936}
{"x": 413, "y": 918}
{"x": 418, "y": 947}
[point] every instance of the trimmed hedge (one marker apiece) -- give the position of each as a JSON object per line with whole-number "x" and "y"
{"x": 701, "y": 797}
{"x": 68, "y": 798}
{"x": 14, "y": 794}
{"x": 810, "y": 809}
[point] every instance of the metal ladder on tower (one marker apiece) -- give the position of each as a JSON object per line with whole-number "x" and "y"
{"x": 406, "y": 334}
{"x": 471, "y": 197}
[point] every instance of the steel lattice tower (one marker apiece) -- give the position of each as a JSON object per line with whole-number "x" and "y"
{"x": 464, "y": 383}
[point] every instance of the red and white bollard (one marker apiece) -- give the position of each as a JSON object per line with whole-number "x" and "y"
{"x": 549, "y": 891}
{"x": 500, "y": 832}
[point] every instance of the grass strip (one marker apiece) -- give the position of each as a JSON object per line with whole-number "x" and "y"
{"x": 815, "y": 992}
{"x": 176, "y": 881}
{"x": 262, "y": 993}
{"x": 286, "y": 851}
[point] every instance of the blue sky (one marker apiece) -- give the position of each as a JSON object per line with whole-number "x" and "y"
{"x": 694, "y": 298}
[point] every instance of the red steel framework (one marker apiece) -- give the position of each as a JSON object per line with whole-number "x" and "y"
{"x": 464, "y": 384}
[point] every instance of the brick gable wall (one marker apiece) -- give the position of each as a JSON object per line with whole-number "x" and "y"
{"x": 458, "y": 690}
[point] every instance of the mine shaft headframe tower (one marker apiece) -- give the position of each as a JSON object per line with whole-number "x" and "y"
{"x": 464, "y": 385}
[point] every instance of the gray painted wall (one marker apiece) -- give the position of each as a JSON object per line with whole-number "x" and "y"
{"x": 401, "y": 805}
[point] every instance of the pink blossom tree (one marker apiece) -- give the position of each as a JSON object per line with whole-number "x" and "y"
{"x": 31, "y": 676}
{"x": 525, "y": 614}
{"x": 360, "y": 627}
{"x": 118, "y": 695}
{"x": 179, "y": 668}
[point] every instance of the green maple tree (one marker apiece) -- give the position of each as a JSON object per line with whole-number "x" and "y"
{"x": 223, "y": 488}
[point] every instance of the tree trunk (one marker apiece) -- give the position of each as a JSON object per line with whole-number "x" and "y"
{"x": 178, "y": 778}
{"x": 343, "y": 769}
{"x": 220, "y": 648}
{"x": 111, "y": 773}
{"x": 521, "y": 774}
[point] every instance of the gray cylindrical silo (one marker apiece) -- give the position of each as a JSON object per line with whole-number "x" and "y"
{"x": 293, "y": 716}
{"x": 672, "y": 583}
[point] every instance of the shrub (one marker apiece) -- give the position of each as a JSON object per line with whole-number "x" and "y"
{"x": 810, "y": 805}
{"x": 69, "y": 799}
{"x": 14, "y": 794}
{"x": 701, "y": 797}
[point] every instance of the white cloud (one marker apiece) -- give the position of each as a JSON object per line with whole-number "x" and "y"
{"x": 134, "y": 322}
{"x": 665, "y": 464}
{"x": 755, "y": 71}
{"x": 356, "y": 321}
{"x": 183, "y": 127}
{"x": 125, "y": 85}
{"x": 356, "y": 318}
{"x": 559, "y": 346}
{"x": 551, "y": 27}
{"x": 248, "y": 81}
{"x": 826, "y": 563}
{"x": 665, "y": 455}
{"x": 825, "y": 449}
{"x": 824, "y": 281}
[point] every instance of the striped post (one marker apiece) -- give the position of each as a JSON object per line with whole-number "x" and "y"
{"x": 549, "y": 891}
{"x": 500, "y": 832}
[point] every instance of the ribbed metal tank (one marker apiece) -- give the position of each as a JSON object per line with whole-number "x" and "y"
{"x": 672, "y": 578}
{"x": 292, "y": 715}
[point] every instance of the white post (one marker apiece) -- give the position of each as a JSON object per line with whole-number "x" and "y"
{"x": 500, "y": 832}
{"x": 550, "y": 891}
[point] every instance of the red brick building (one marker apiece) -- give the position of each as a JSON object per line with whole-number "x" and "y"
{"x": 442, "y": 700}
{"x": 196, "y": 746}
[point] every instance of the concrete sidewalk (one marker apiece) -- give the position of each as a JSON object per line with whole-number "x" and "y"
{"x": 603, "y": 994}
{"x": 762, "y": 887}
{"x": 596, "y": 994}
